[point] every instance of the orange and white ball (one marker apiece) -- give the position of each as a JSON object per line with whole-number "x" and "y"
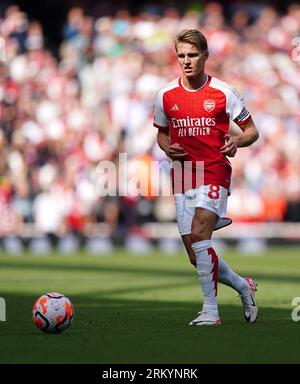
{"x": 53, "y": 312}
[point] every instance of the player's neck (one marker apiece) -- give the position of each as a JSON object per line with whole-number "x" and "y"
{"x": 193, "y": 83}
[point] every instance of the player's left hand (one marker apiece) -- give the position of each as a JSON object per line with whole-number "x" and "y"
{"x": 230, "y": 147}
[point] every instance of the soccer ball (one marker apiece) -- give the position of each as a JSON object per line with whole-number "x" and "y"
{"x": 53, "y": 312}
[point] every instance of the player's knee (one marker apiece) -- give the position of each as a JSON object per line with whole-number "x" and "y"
{"x": 200, "y": 231}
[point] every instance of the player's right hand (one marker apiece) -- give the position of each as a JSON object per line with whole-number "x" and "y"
{"x": 175, "y": 151}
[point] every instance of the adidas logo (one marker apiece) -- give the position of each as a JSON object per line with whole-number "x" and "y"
{"x": 175, "y": 108}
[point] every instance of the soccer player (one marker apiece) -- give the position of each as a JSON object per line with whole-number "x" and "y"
{"x": 192, "y": 114}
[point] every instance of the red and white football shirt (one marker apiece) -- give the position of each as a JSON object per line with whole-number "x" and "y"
{"x": 198, "y": 120}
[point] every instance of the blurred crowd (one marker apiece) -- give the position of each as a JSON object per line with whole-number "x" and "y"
{"x": 61, "y": 116}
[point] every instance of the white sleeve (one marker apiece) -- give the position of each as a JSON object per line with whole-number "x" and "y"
{"x": 235, "y": 107}
{"x": 160, "y": 118}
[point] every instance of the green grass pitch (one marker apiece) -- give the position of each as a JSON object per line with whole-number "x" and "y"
{"x": 136, "y": 309}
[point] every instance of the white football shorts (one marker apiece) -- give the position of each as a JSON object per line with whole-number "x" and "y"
{"x": 211, "y": 197}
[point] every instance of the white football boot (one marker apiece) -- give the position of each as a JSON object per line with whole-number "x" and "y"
{"x": 206, "y": 318}
{"x": 248, "y": 301}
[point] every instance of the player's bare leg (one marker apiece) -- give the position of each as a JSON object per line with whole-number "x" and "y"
{"x": 187, "y": 241}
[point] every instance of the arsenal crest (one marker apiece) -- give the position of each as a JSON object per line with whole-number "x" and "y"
{"x": 209, "y": 105}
